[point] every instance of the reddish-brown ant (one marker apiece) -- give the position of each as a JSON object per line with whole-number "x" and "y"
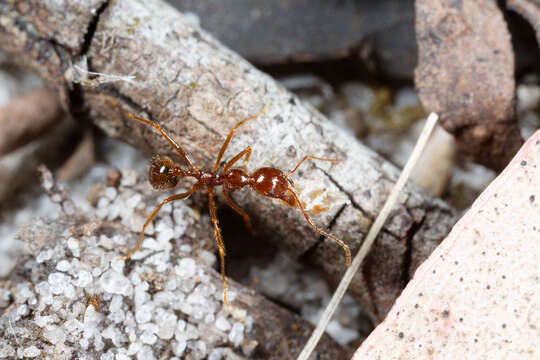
{"x": 267, "y": 181}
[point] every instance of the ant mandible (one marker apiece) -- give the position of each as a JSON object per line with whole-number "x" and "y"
{"x": 267, "y": 181}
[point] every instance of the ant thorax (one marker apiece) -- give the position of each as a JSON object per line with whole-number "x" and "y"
{"x": 236, "y": 179}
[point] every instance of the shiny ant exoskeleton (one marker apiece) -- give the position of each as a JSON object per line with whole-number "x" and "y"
{"x": 267, "y": 181}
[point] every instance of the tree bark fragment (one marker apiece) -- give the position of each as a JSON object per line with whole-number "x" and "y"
{"x": 465, "y": 73}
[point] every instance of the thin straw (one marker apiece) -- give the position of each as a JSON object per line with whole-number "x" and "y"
{"x": 370, "y": 238}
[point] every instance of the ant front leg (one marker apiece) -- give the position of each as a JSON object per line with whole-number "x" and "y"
{"x": 246, "y": 152}
{"x": 231, "y": 133}
{"x": 156, "y": 126}
{"x": 153, "y": 215}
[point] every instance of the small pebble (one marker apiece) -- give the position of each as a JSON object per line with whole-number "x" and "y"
{"x": 6, "y": 351}
{"x": 145, "y": 353}
{"x": 63, "y": 265}
{"x": 113, "y": 177}
{"x": 149, "y": 333}
{"x": 207, "y": 258}
{"x": 180, "y": 348}
{"x": 5, "y": 298}
{"x": 143, "y": 313}
{"x": 129, "y": 178}
{"x": 116, "y": 283}
{"x": 185, "y": 268}
{"x": 222, "y": 324}
{"x": 185, "y": 248}
{"x": 54, "y": 334}
{"x": 44, "y": 256}
{"x": 236, "y": 336}
{"x": 31, "y": 352}
{"x": 111, "y": 193}
{"x": 84, "y": 278}
{"x": 167, "y": 324}
{"x": 60, "y": 284}
{"x": 133, "y": 201}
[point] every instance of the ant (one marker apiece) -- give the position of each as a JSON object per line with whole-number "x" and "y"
{"x": 267, "y": 181}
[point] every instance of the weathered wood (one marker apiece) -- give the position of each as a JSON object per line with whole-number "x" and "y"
{"x": 197, "y": 89}
{"x": 465, "y": 73}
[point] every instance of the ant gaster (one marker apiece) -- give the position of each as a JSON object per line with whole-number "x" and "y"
{"x": 267, "y": 181}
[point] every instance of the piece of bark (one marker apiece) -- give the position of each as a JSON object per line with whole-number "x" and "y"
{"x": 275, "y": 32}
{"x": 198, "y": 90}
{"x": 50, "y": 35}
{"x": 28, "y": 117}
{"x": 465, "y": 73}
{"x": 530, "y": 10}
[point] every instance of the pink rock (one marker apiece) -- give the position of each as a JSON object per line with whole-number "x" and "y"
{"x": 478, "y": 294}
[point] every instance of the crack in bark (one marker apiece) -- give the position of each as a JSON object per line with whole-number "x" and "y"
{"x": 175, "y": 95}
{"x": 335, "y": 217}
{"x": 203, "y": 124}
{"x": 349, "y": 196}
{"x": 75, "y": 92}
{"x": 407, "y": 257}
{"x": 91, "y": 29}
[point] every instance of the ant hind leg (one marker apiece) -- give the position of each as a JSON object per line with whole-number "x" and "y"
{"x": 219, "y": 240}
{"x": 322, "y": 232}
{"x": 309, "y": 157}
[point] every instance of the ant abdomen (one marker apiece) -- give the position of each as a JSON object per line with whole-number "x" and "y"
{"x": 273, "y": 183}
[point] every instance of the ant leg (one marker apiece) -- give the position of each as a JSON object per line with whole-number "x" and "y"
{"x": 240, "y": 212}
{"x": 231, "y": 133}
{"x": 153, "y": 215}
{"x": 310, "y": 157}
{"x": 246, "y": 152}
{"x": 340, "y": 243}
{"x": 156, "y": 126}
{"x": 219, "y": 239}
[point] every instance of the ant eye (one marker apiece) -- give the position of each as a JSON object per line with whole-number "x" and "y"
{"x": 160, "y": 174}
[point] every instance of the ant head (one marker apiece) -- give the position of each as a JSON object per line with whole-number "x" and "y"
{"x": 163, "y": 173}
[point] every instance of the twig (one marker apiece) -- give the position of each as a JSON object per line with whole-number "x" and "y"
{"x": 28, "y": 117}
{"x": 370, "y": 238}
